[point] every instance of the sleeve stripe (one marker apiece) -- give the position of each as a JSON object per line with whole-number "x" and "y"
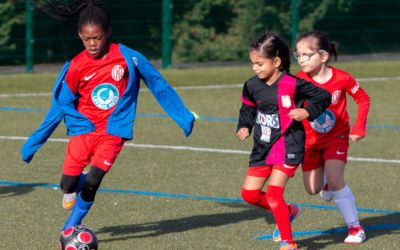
{"x": 247, "y": 102}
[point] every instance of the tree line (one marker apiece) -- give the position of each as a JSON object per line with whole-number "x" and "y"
{"x": 207, "y": 30}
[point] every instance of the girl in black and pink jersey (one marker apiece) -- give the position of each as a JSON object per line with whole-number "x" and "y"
{"x": 271, "y": 108}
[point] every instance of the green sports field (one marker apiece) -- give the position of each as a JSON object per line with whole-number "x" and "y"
{"x": 170, "y": 192}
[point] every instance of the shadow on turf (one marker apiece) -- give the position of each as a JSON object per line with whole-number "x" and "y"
{"x": 374, "y": 226}
{"x": 153, "y": 229}
{"x": 15, "y": 190}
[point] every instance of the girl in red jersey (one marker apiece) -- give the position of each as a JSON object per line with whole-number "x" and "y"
{"x": 96, "y": 95}
{"x": 269, "y": 108}
{"x": 327, "y": 137}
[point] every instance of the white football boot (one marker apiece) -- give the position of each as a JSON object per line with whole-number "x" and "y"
{"x": 356, "y": 235}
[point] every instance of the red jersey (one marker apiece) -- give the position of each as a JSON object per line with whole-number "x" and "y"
{"x": 98, "y": 84}
{"x": 335, "y": 120}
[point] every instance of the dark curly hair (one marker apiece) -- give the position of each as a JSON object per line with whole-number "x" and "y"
{"x": 82, "y": 11}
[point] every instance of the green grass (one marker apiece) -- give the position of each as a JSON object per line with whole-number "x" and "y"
{"x": 31, "y": 215}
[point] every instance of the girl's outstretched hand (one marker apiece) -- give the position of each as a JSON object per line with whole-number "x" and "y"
{"x": 298, "y": 114}
{"x": 355, "y": 138}
{"x": 243, "y": 133}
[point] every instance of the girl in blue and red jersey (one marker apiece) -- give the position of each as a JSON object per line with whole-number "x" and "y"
{"x": 271, "y": 107}
{"x": 327, "y": 137}
{"x": 96, "y": 95}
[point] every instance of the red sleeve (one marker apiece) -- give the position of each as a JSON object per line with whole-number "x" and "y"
{"x": 362, "y": 99}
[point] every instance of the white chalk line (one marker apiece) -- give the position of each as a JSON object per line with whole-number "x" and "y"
{"x": 200, "y": 87}
{"x": 199, "y": 149}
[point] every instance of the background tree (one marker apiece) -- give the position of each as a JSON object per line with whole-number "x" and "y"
{"x": 8, "y": 18}
{"x": 206, "y": 30}
{"x": 210, "y": 30}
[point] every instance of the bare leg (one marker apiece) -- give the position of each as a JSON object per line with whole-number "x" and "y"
{"x": 334, "y": 172}
{"x": 254, "y": 183}
{"x": 314, "y": 180}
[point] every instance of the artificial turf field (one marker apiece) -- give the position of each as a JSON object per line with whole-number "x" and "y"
{"x": 166, "y": 191}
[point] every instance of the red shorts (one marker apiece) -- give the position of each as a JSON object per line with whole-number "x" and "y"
{"x": 265, "y": 171}
{"x": 100, "y": 150}
{"x": 315, "y": 158}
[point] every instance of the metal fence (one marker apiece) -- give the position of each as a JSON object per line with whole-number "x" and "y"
{"x": 368, "y": 26}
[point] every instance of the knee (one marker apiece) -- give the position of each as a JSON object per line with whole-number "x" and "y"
{"x": 313, "y": 188}
{"x": 312, "y": 191}
{"x": 272, "y": 201}
{"x": 251, "y": 196}
{"x": 91, "y": 183}
{"x": 93, "y": 178}
{"x": 68, "y": 183}
{"x": 275, "y": 197}
{"x": 89, "y": 190}
{"x": 335, "y": 186}
{"x": 335, "y": 183}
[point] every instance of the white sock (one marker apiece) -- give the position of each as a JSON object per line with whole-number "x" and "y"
{"x": 346, "y": 204}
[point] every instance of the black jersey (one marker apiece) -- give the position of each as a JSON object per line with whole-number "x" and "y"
{"x": 277, "y": 138}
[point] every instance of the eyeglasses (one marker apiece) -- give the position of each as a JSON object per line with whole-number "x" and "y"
{"x": 307, "y": 56}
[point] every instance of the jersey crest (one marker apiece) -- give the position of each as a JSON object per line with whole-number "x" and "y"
{"x": 335, "y": 97}
{"x": 286, "y": 102}
{"x": 105, "y": 96}
{"x": 324, "y": 122}
{"x": 117, "y": 72}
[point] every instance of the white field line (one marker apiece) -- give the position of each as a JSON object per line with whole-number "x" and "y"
{"x": 201, "y": 87}
{"x": 197, "y": 149}
{"x": 24, "y": 95}
{"x": 377, "y": 79}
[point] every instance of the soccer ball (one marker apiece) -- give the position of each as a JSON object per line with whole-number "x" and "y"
{"x": 78, "y": 237}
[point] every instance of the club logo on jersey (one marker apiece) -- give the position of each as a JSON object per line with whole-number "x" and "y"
{"x": 325, "y": 122}
{"x": 286, "y": 102}
{"x": 268, "y": 120}
{"x": 335, "y": 97}
{"x": 105, "y": 96}
{"x": 117, "y": 72}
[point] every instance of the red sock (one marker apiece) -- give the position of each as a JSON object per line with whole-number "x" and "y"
{"x": 280, "y": 211}
{"x": 255, "y": 197}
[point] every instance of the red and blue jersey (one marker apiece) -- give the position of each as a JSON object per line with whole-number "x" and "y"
{"x": 95, "y": 100}
{"x": 99, "y": 84}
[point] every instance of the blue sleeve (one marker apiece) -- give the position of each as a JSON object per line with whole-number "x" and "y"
{"x": 52, "y": 119}
{"x": 166, "y": 96}
{"x": 40, "y": 136}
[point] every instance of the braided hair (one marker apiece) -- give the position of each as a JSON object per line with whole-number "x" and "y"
{"x": 82, "y": 11}
{"x": 271, "y": 46}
